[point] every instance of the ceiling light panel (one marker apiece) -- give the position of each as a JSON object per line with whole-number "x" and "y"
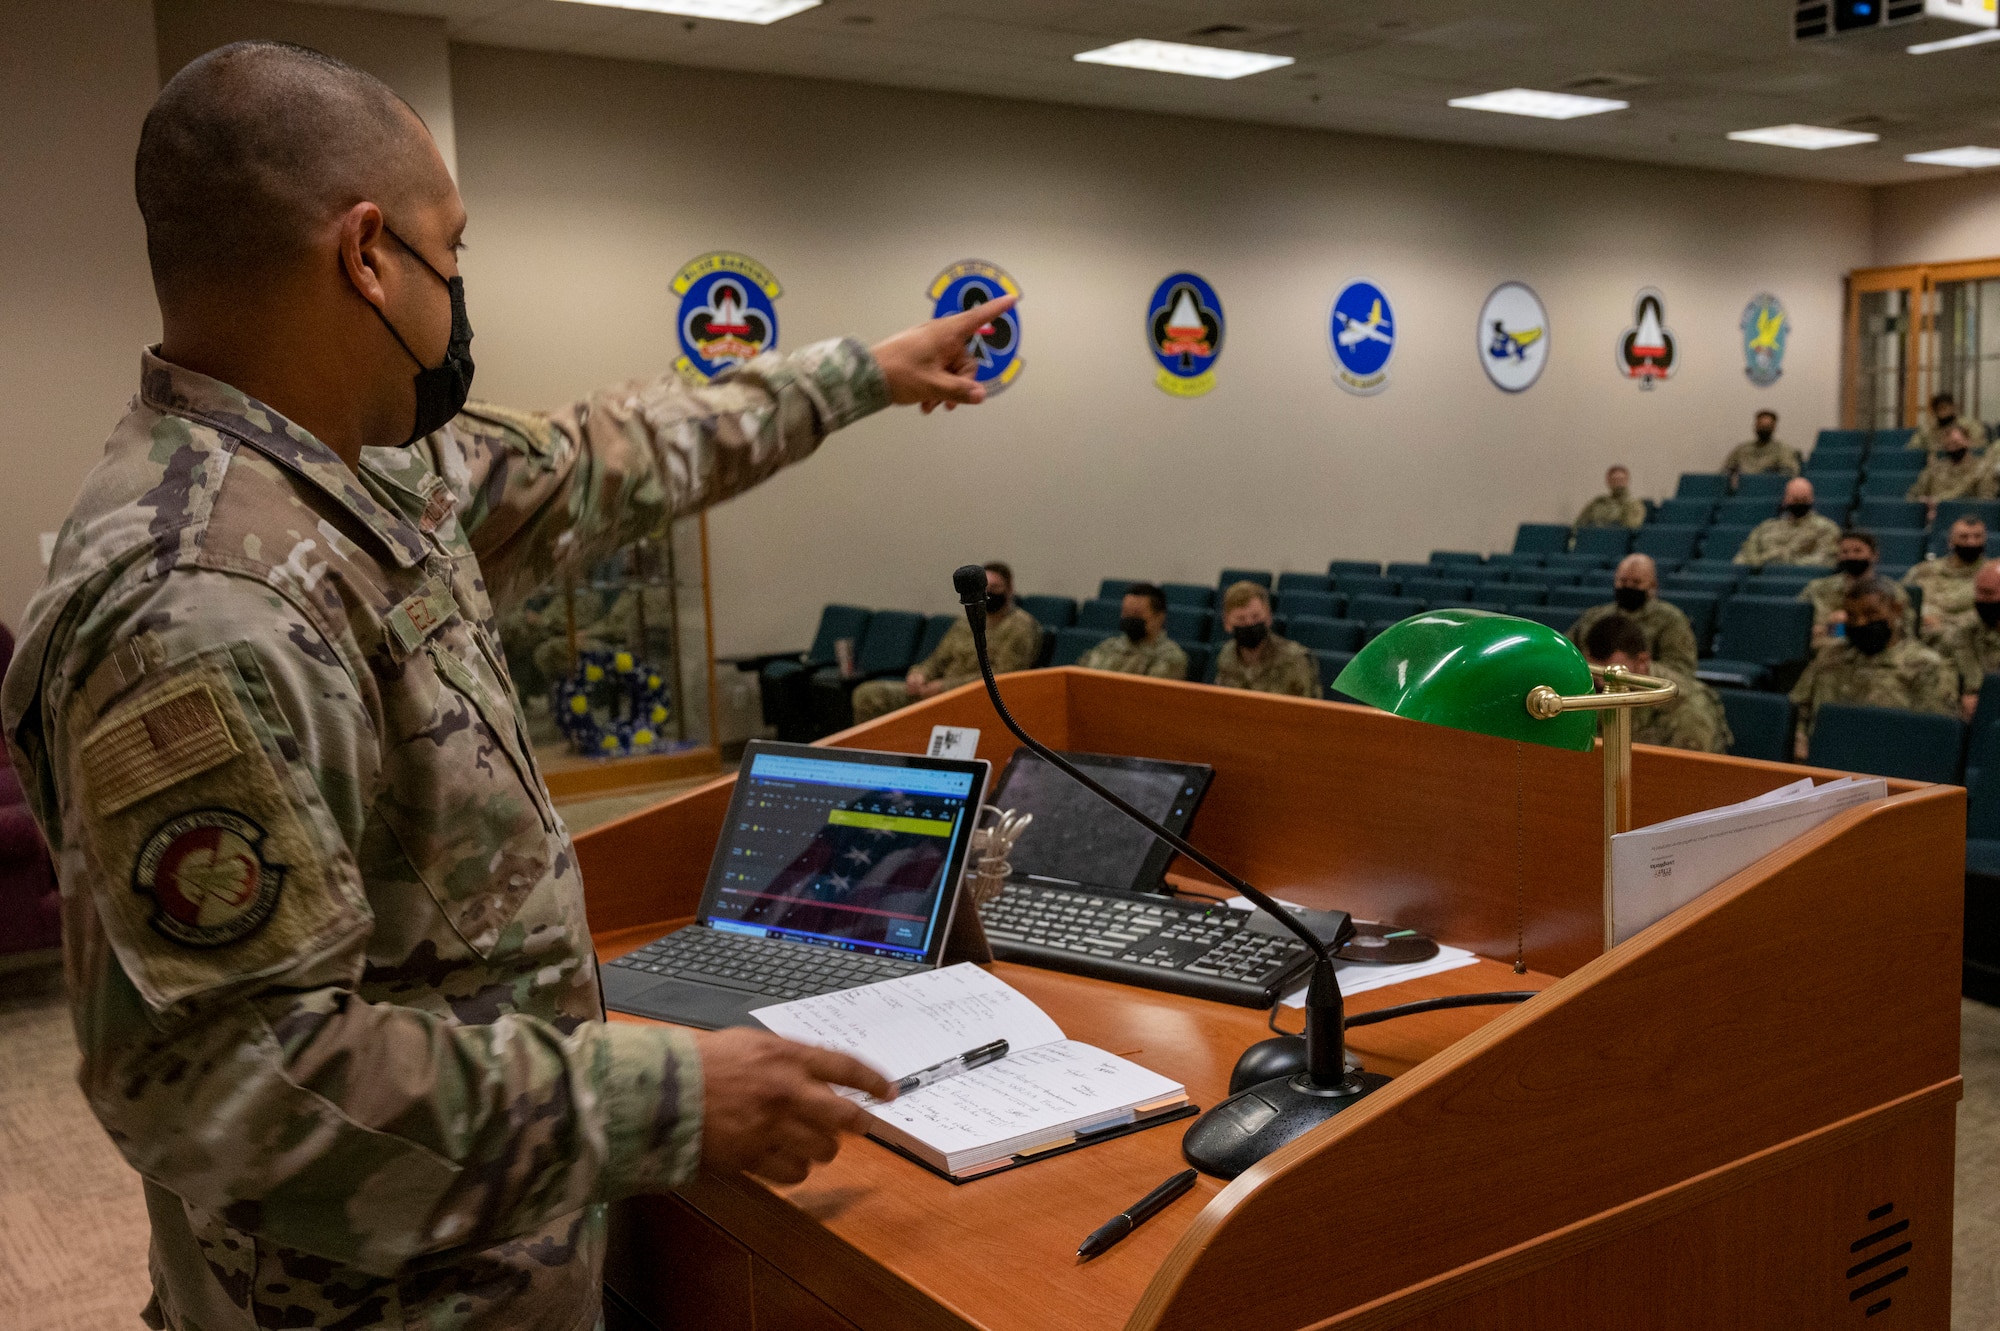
{"x": 1810, "y": 137}
{"x": 1955, "y": 43}
{"x": 1970, "y": 157}
{"x": 1544, "y": 105}
{"x": 1206, "y": 62}
{"x": 732, "y": 11}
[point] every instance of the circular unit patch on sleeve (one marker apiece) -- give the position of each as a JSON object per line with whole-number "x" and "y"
{"x": 208, "y": 877}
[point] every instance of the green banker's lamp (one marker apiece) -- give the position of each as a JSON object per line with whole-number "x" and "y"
{"x": 1511, "y": 678}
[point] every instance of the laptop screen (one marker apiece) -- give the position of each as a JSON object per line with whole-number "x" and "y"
{"x": 851, "y": 850}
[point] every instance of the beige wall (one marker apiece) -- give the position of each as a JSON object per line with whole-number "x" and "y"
{"x": 590, "y": 182}
{"x": 76, "y": 304}
{"x": 1939, "y": 221}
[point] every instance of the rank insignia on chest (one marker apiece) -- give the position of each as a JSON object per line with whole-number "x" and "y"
{"x": 439, "y": 504}
{"x": 209, "y": 880}
{"x": 417, "y": 617}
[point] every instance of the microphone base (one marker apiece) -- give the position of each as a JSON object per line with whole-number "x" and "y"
{"x": 1251, "y": 1124}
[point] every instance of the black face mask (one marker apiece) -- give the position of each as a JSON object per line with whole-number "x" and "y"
{"x": 443, "y": 388}
{"x": 1989, "y": 613}
{"x": 1945, "y": 418}
{"x": 1630, "y": 599}
{"x": 1957, "y": 455}
{"x": 1764, "y": 433}
{"x": 1798, "y": 510}
{"x": 1969, "y": 554}
{"x": 1855, "y": 568}
{"x": 1869, "y": 639}
{"x": 1133, "y": 627}
{"x": 995, "y": 602}
{"x": 1250, "y": 637}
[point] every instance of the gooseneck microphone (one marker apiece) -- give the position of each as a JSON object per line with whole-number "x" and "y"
{"x": 1252, "y": 1123}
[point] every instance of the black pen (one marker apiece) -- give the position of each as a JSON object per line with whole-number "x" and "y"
{"x": 951, "y": 1067}
{"x": 1135, "y": 1215}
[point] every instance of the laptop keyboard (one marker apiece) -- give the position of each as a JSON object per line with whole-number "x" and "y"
{"x": 775, "y": 966}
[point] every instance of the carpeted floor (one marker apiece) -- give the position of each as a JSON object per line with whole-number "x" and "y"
{"x": 73, "y": 1229}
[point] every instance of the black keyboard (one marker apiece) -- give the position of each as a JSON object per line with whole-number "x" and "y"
{"x": 1201, "y": 949}
{"x": 775, "y": 966}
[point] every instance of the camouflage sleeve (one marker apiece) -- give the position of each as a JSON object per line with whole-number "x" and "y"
{"x": 542, "y": 494}
{"x": 1734, "y": 461}
{"x": 1635, "y": 514}
{"x": 214, "y": 813}
{"x": 1094, "y": 659}
{"x": 1789, "y": 463}
{"x": 1012, "y": 644}
{"x": 1748, "y": 552}
{"x": 1311, "y": 674}
{"x": 1170, "y": 665}
{"x": 1676, "y": 645}
{"x": 1921, "y": 487}
{"x": 1803, "y": 693}
{"x": 1825, "y": 548}
{"x": 1986, "y": 487}
{"x": 1935, "y": 688}
{"x": 1958, "y": 654}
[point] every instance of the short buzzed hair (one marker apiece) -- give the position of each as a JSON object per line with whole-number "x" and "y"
{"x": 251, "y": 148}
{"x": 1864, "y": 536}
{"x": 1614, "y": 634}
{"x": 1243, "y": 593}
{"x": 1871, "y": 588}
{"x": 1005, "y": 571}
{"x": 1154, "y": 594}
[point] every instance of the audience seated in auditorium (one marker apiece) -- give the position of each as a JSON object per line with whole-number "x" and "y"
{"x": 1764, "y": 453}
{"x": 1255, "y": 657}
{"x": 1693, "y": 720}
{"x": 1944, "y": 413}
{"x": 1635, "y": 592}
{"x": 1858, "y": 555}
{"x": 1141, "y": 645}
{"x": 1616, "y": 507}
{"x": 1954, "y": 472}
{"x": 1973, "y": 646}
{"x": 1012, "y": 637}
{"x": 1796, "y": 536}
{"x": 1875, "y": 665}
{"x": 1947, "y": 581}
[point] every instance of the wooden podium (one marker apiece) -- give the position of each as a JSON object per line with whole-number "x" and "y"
{"x": 1742, "y": 1117}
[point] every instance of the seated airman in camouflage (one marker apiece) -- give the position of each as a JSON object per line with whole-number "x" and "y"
{"x": 1973, "y": 646}
{"x": 1859, "y": 552}
{"x": 1765, "y": 453}
{"x": 1873, "y": 666}
{"x": 1616, "y": 507}
{"x": 1635, "y": 593}
{"x": 1796, "y": 536}
{"x": 1944, "y": 414}
{"x": 329, "y": 967}
{"x": 1954, "y": 472}
{"x": 1946, "y": 581}
{"x": 1693, "y": 720}
{"x": 1013, "y": 639}
{"x": 1141, "y": 646}
{"x": 1255, "y": 657}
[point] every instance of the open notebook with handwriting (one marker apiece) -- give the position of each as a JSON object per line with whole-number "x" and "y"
{"x": 1048, "y": 1094}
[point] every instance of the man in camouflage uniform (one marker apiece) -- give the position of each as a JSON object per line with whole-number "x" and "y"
{"x": 1635, "y": 593}
{"x": 1944, "y": 415}
{"x": 1693, "y": 720}
{"x": 1873, "y": 666}
{"x": 1973, "y": 647}
{"x": 1764, "y": 453}
{"x": 1954, "y": 472}
{"x": 1013, "y": 640}
{"x": 1616, "y": 507}
{"x": 324, "y": 935}
{"x": 1947, "y": 582}
{"x": 1796, "y": 536}
{"x": 1255, "y": 657}
{"x": 1141, "y": 646}
{"x": 1858, "y": 554}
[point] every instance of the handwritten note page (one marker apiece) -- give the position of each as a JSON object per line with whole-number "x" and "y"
{"x": 901, "y": 1026}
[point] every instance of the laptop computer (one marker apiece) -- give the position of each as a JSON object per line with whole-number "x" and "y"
{"x": 835, "y": 868}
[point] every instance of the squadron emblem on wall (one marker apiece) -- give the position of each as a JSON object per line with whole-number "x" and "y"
{"x": 1766, "y": 329}
{"x": 1646, "y": 351}
{"x": 726, "y": 315}
{"x": 1362, "y": 336}
{"x": 1513, "y": 337}
{"x": 1184, "y": 329}
{"x": 996, "y": 345}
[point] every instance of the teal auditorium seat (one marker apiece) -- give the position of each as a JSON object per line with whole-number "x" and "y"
{"x": 1198, "y": 656}
{"x": 1854, "y": 439}
{"x": 1722, "y": 543}
{"x": 1436, "y": 593}
{"x": 1191, "y": 594}
{"x": 1755, "y": 636}
{"x": 1723, "y": 567}
{"x": 889, "y": 647}
{"x": 1352, "y": 585}
{"x": 1577, "y": 599}
{"x": 1315, "y": 582}
{"x": 1700, "y": 608}
{"x": 1951, "y": 510}
{"x": 1891, "y": 440}
{"x": 1982, "y": 876}
{"x": 1769, "y": 583}
{"x": 1324, "y": 635}
{"x": 1542, "y": 538}
{"x": 1113, "y": 589}
{"x": 1100, "y": 615}
{"x": 934, "y": 630}
{"x": 1072, "y": 643}
{"x": 1744, "y": 511}
{"x": 1890, "y": 513}
{"x": 1886, "y": 741}
{"x": 1456, "y": 557}
{"x": 1684, "y": 512}
{"x": 1702, "y": 485}
{"x": 1515, "y": 593}
{"x": 1231, "y": 576}
{"x": 1052, "y": 612}
{"x": 1761, "y": 485}
{"x": 1612, "y": 541}
{"x": 1340, "y": 568}
{"x": 1401, "y": 571}
{"x": 1834, "y": 485}
{"x": 1330, "y": 666}
{"x": 1983, "y": 718}
{"x": 1760, "y": 724}
{"x": 784, "y": 686}
{"x": 1187, "y": 622}
{"x": 1557, "y": 618}
{"x": 1666, "y": 544}
{"x": 1325, "y": 605}
{"x": 1582, "y": 561}
{"x": 1899, "y": 548}
{"x": 1392, "y": 609}
{"x": 1898, "y": 461}
{"x": 1885, "y": 484}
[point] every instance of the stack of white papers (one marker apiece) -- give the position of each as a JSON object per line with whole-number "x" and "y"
{"x": 1358, "y": 977}
{"x": 1658, "y": 869}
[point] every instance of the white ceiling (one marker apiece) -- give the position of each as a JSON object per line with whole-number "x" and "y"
{"x": 1692, "y": 69}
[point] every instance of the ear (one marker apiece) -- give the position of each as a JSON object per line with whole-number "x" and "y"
{"x": 364, "y": 252}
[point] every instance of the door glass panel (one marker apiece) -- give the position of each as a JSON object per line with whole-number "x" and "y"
{"x": 1967, "y": 353}
{"x": 1884, "y": 317}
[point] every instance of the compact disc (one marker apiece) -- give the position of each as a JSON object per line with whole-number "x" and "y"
{"x": 1387, "y": 945}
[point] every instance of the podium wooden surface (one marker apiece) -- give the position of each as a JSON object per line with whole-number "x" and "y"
{"x": 1741, "y": 1117}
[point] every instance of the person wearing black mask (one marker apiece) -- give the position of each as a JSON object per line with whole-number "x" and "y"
{"x": 1858, "y": 554}
{"x": 1797, "y": 535}
{"x": 1875, "y": 665}
{"x": 1635, "y": 593}
{"x": 1765, "y": 453}
{"x": 1973, "y": 647}
{"x": 1255, "y": 657}
{"x": 1141, "y": 645}
{"x": 1944, "y": 414}
{"x": 1954, "y": 472}
{"x": 1946, "y": 583}
{"x": 1012, "y": 635}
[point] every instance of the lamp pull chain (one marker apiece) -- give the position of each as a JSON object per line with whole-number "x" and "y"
{"x": 1520, "y": 869}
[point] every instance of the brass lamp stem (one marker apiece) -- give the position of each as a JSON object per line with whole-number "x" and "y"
{"x": 1624, "y": 690}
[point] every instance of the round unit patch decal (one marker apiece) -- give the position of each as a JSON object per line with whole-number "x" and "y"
{"x": 1184, "y": 329}
{"x": 208, "y": 878}
{"x": 1766, "y": 327}
{"x": 1362, "y": 336}
{"x": 1513, "y": 337}
{"x": 726, "y": 315}
{"x": 995, "y": 346}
